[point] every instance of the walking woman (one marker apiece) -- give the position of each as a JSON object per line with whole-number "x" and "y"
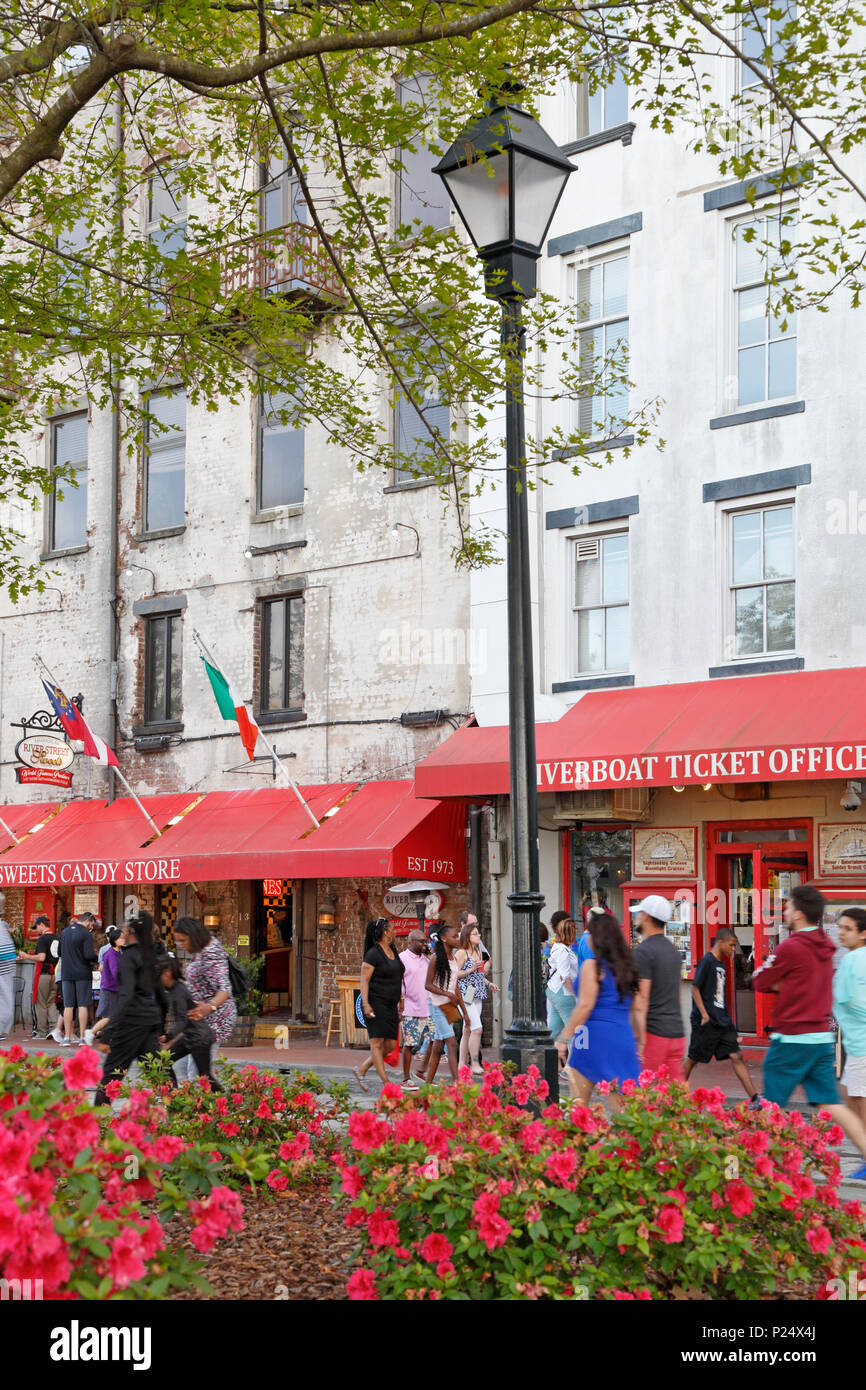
{"x": 109, "y": 960}
{"x": 603, "y": 1047}
{"x": 208, "y": 981}
{"x": 564, "y": 969}
{"x": 381, "y": 997}
{"x": 446, "y": 1001}
{"x": 473, "y": 965}
{"x": 137, "y": 1018}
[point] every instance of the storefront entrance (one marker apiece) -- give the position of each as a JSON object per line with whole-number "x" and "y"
{"x": 751, "y": 869}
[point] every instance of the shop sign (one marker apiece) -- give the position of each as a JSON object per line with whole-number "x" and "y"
{"x": 725, "y": 765}
{"x": 132, "y": 871}
{"x": 401, "y": 908}
{"x": 49, "y": 776}
{"x": 665, "y": 853}
{"x": 47, "y": 751}
{"x": 842, "y": 850}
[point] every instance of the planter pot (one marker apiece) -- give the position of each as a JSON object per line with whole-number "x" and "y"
{"x": 244, "y": 1033}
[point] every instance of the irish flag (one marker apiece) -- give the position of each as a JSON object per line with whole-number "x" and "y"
{"x": 231, "y": 706}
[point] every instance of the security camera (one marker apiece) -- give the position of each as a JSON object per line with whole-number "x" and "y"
{"x": 851, "y": 797}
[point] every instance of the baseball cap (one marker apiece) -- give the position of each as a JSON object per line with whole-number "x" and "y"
{"x": 654, "y": 906}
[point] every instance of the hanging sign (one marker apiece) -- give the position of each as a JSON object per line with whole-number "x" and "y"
{"x": 44, "y": 750}
{"x": 51, "y": 776}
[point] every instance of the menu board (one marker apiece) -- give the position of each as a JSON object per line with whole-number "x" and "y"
{"x": 842, "y": 850}
{"x": 661, "y": 853}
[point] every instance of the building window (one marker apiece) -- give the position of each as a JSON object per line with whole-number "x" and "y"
{"x": 601, "y": 293}
{"x": 421, "y": 194}
{"x": 282, "y": 655}
{"x": 590, "y": 112}
{"x": 761, "y": 39}
{"x": 762, "y": 602}
{"x": 163, "y": 659}
{"x": 281, "y": 200}
{"x": 166, "y": 215}
{"x": 69, "y": 511}
{"x": 413, "y": 430}
{"x": 74, "y": 242}
{"x": 601, "y": 622}
{"x": 165, "y": 461}
{"x": 281, "y": 452}
{"x": 766, "y": 342}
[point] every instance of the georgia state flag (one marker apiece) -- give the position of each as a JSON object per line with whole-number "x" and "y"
{"x": 73, "y": 723}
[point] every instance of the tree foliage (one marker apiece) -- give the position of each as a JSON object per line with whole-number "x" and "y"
{"x": 118, "y": 121}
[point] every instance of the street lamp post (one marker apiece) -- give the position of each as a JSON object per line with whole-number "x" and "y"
{"x": 505, "y": 177}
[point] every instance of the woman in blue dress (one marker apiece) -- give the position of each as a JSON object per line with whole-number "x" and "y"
{"x": 603, "y": 1044}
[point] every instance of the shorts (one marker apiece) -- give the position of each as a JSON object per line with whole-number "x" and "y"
{"x": 78, "y": 992}
{"x": 711, "y": 1040}
{"x": 474, "y": 1012}
{"x": 854, "y": 1076}
{"x": 416, "y": 1031}
{"x": 667, "y": 1052}
{"x": 442, "y": 1029}
{"x": 810, "y": 1065}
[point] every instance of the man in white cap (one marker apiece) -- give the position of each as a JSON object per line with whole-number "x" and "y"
{"x": 658, "y": 1018}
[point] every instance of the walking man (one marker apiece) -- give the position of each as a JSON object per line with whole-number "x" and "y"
{"x": 416, "y": 1023}
{"x": 657, "y": 1015}
{"x": 802, "y": 1049}
{"x": 77, "y": 958}
{"x": 45, "y": 954}
{"x": 713, "y": 1031}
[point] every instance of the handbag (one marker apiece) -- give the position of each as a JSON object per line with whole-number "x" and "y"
{"x": 451, "y": 1012}
{"x": 469, "y": 994}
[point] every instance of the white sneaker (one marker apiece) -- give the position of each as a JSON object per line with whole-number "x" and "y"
{"x": 56, "y": 1035}
{"x": 66, "y": 1042}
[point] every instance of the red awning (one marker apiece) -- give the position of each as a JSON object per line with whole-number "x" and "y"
{"x": 22, "y": 819}
{"x": 89, "y": 842}
{"x": 376, "y": 830}
{"x": 785, "y": 727}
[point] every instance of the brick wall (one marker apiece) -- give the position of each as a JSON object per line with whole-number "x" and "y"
{"x": 359, "y": 901}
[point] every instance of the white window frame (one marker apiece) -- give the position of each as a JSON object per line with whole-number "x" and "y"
{"x": 598, "y": 532}
{"x": 153, "y": 225}
{"x": 571, "y": 97}
{"x": 609, "y": 251}
{"x": 741, "y": 506}
{"x": 730, "y": 318}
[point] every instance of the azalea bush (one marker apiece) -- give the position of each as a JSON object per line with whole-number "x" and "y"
{"x": 262, "y": 1127}
{"x": 82, "y": 1203}
{"x": 462, "y": 1192}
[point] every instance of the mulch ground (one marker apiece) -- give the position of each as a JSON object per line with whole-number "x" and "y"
{"x": 294, "y": 1245}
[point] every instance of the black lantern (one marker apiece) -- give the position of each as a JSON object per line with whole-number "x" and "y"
{"x": 505, "y": 176}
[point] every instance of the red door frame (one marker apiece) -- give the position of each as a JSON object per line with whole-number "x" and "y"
{"x": 716, "y": 854}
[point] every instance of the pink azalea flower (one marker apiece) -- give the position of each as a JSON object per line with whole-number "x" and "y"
{"x": 361, "y": 1286}
{"x": 436, "y": 1247}
{"x": 818, "y": 1239}
{"x": 740, "y": 1198}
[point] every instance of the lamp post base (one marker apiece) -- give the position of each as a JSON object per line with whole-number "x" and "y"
{"x": 527, "y": 1050}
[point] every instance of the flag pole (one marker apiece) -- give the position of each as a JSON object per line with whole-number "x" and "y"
{"x": 146, "y": 814}
{"x": 211, "y": 660}
{"x": 9, "y": 831}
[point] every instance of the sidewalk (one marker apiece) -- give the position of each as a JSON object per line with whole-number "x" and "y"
{"x": 336, "y": 1063}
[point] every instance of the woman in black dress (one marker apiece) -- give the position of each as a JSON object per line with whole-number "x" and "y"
{"x": 381, "y": 996}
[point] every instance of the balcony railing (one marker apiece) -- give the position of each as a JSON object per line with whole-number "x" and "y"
{"x": 289, "y": 260}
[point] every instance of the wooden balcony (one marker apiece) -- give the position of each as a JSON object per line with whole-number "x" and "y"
{"x": 288, "y": 261}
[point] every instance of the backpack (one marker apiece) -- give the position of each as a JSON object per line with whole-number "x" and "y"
{"x": 239, "y": 982}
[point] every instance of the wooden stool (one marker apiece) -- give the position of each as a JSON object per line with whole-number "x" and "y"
{"x": 335, "y": 1022}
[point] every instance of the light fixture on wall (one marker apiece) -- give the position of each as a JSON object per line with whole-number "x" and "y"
{"x": 211, "y": 916}
{"x": 131, "y": 565}
{"x": 707, "y": 786}
{"x": 401, "y": 525}
{"x": 327, "y": 912}
{"x": 678, "y": 789}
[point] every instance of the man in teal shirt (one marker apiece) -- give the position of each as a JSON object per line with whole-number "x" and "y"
{"x": 849, "y": 1006}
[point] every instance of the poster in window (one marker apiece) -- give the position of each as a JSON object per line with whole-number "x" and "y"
{"x": 662, "y": 853}
{"x": 86, "y": 899}
{"x": 842, "y": 851}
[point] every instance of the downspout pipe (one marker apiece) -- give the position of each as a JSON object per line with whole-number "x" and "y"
{"x": 114, "y": 499}
{"x": 475, "y": 859}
